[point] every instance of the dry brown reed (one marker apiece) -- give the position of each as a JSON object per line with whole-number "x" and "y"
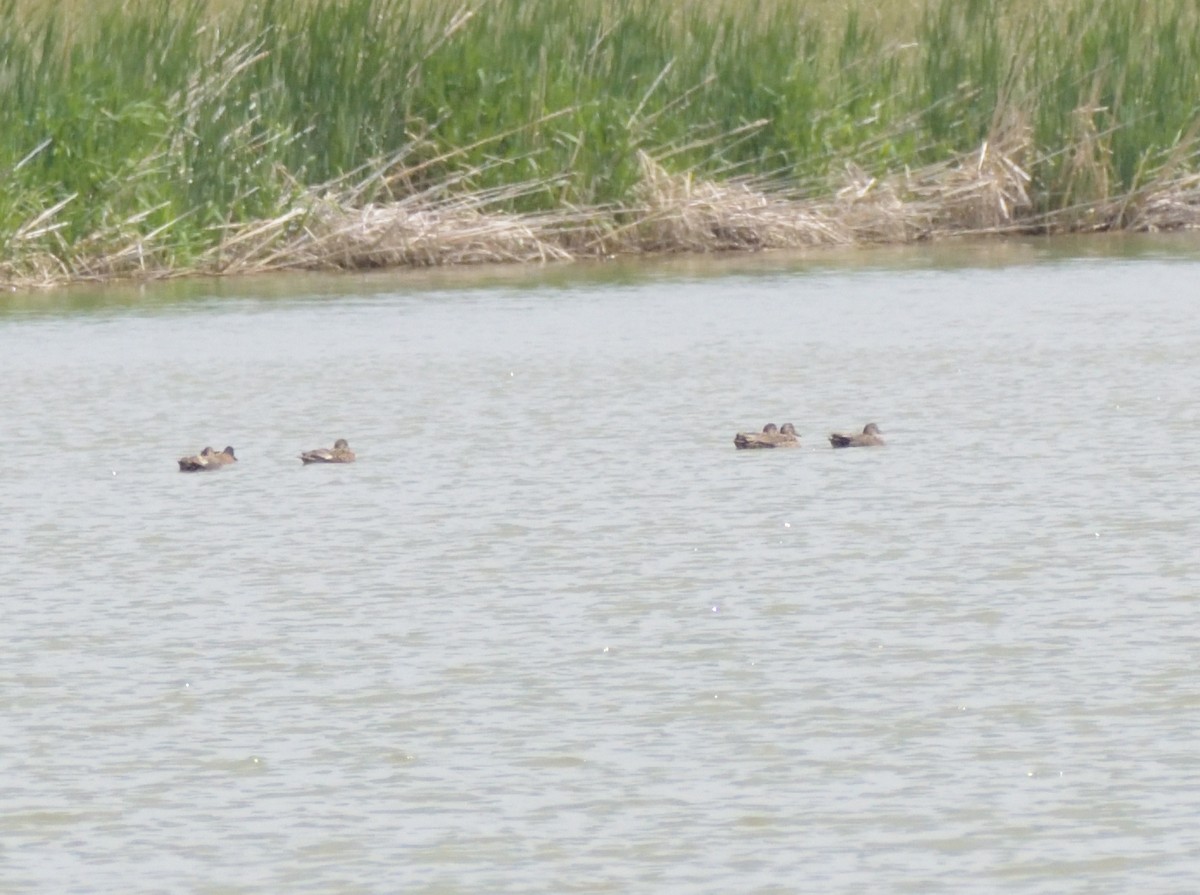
{"x": 983, "y": 193}
{"x": 400, "y": 234}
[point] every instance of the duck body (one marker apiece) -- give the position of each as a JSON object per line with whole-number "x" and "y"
{"x": 771, "y": 436}
{"x": 207, "y": 459}
{"x": 869, "y": 437}
{"x": 340, "y": 453}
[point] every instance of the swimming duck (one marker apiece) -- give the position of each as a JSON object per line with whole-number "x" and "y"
{"x": 869, "y": 437}
{"x": 341, "y": 453}
{"x": 771, "y": 436}
{"x": 207, "y": 459}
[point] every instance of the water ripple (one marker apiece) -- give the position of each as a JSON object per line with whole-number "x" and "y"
{"x": 552, "y": 633}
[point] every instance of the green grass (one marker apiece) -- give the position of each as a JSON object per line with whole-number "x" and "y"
{"x": 166, "y": 122}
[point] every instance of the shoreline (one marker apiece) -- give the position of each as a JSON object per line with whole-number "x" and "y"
{"x": 980, "y": 196}
{"x": 147, "y": 140}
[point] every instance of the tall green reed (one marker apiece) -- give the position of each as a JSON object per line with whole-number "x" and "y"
{"x": 170, "y": 118}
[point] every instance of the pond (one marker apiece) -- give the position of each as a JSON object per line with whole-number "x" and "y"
{"x": 551, "y": 632}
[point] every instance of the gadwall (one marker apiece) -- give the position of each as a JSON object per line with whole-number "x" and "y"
{"x": 869, "y": 437}
{"x": 341, "y": 453}
{"x": 771, "y": 436}
{"x": 207, "y": 459}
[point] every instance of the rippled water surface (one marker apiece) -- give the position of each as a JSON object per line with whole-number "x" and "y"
{"x": 552, "y": 633}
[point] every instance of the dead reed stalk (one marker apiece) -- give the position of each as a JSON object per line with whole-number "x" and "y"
{"x": 983, "y": 193}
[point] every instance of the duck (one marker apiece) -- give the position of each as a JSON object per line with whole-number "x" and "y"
{"x": 341, "y": 453}
{"x": 869, "y": 437}
{"x": 207, "y": 459}
{"x": 771, "y": 436}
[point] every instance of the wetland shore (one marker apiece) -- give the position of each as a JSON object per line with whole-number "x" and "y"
{"x": 158, "y": 139}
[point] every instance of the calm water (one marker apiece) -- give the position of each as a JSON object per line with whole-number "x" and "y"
{"x": 552, "y": 633}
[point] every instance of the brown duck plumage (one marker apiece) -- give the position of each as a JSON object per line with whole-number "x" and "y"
{"x": 207, "y": 459}
{"x": 869, "y": 437}
{"x": 770, "y": 437}
{"x": 341, "y": 453}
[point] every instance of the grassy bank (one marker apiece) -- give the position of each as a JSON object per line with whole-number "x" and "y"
{"x": 175, "y": 137}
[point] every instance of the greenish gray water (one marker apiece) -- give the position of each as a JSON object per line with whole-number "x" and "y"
{"x": 552, "y": 633}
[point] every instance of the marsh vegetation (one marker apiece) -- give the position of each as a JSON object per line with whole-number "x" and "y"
{"x": 160, "y": 137}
